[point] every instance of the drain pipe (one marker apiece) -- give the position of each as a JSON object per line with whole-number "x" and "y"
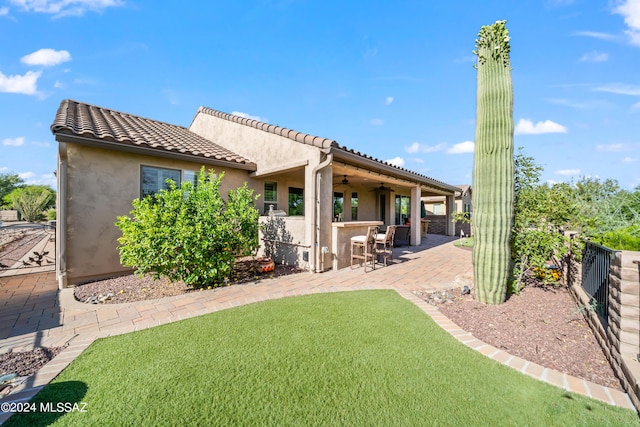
{"x": 61, "y": 222}
{"x": 318, "y": 255}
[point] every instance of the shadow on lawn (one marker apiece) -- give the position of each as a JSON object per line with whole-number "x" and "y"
{"x": 55, "y": 401}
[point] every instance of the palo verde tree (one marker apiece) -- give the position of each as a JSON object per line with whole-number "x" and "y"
{"x": 493, "y": 165}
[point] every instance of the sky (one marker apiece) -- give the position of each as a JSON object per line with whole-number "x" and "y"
{"x": 391, "y": 79}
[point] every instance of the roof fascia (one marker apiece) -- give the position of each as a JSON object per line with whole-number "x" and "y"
{"x": 102, "y": 143}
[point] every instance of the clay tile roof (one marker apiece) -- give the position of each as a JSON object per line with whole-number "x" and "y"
{"x": 83, "y": 120}
{"x": 320, "y": 142}
{"x": 304, "y": 138}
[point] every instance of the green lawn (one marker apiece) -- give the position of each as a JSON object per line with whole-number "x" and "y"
{"x": 465, "y": 242}
{"x": 352, "y": 358}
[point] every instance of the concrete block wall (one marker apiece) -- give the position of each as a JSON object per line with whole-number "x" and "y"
{"x": 620, "y": 341}
{"x": 438, "y": 225}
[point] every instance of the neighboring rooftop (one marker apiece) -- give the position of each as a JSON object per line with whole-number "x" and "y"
{"x": 77, "y": 119}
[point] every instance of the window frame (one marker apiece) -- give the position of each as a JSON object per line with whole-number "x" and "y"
{"x": 268, "y": 202}
{"x": 299, "y": 192}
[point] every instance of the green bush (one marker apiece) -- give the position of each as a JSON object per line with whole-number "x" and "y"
{"x": 626, "y": 239}
{"x": 190, "y": 233}
{"x": 51, "y": 214}
{"x": 30, "y": 201}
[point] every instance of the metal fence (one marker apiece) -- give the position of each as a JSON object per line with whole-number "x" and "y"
{"x": 27, "y": 248}
{"x": 596, "y": 261}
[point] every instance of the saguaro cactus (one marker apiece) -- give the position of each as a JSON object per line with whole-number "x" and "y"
{"x": 493, "y": 167}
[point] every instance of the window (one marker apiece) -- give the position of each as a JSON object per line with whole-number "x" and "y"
{"x": 270, "y": 196}
{"x": 403, "y": 209}
{"x": 354, "y": 206}
{"x": 338, "y": 206}
{"x": 296, "y": 201}
{"x": 437, "y": 209}
{"x": 190, "y": 176}
{"x": 154, "y": 179}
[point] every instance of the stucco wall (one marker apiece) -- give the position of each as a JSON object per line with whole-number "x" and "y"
{"x": 101, "y": 185}
{"x": 267, "y": 150}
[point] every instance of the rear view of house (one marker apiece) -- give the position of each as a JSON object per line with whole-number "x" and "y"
{"x": 318, "y": 192}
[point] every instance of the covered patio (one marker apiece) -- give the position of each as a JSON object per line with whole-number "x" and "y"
{"x": 340, "y": 197}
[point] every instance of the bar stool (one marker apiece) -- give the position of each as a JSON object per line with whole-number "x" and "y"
{"x": 364, "y": 248}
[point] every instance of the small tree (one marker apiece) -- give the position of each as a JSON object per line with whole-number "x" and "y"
{"x": 190, "y": 233}
{"x": 9, "y": 182}
{"x": 30, "y": 201}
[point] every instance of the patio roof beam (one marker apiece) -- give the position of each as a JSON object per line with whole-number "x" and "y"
{"x": 391, "y": 171}
{"x": 279, "y": 170}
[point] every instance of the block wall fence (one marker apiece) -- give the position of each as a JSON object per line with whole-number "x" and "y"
{"x": 620, "y": 341}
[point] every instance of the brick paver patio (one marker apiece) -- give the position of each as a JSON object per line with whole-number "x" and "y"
{"x": 34, "y": 313}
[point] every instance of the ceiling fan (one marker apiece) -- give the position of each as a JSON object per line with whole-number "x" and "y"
{"x": 383, "y": 188}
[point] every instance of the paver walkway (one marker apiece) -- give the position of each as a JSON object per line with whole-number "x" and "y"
{"x": 34, "y": 313}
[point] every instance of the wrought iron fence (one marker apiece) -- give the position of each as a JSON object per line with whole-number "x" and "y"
{"x": 596, "y": 261}
{"x": 27, "y": 247}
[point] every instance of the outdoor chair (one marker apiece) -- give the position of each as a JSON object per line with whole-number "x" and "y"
{"x": 364, "y": 248}
{"x": 384, "y": 244}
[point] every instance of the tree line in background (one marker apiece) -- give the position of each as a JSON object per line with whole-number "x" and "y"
{"x": 33, "y": 202}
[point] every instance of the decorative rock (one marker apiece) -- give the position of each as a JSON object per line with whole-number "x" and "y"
{"x": 7, "y": 377}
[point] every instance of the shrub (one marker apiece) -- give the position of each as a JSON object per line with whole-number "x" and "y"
{"x": 30, "y": 201}
{"x": 190, "y": 233}
{"x": 626, "y": 239}
{"x": 51, "y": 214}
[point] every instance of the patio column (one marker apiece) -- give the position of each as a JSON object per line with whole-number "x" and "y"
{"x": 450, "y": 227}
{"x": 415, "y": 238}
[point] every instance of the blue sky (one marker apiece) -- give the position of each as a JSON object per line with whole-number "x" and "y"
{"x": 392, "y": 79}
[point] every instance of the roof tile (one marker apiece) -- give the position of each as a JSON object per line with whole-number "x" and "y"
{"x": 89, "y": 121}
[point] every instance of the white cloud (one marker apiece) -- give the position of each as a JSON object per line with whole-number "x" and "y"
{"x": 462, "y": 147}
{"x": 4, "y": 11}
{"x": 630, "y": 159}
{"x": 595, "y": 35}
{"x": 396, "y": 161}
{"x": 526, "y": 127}
{"x": 3, "y": 168}
{"x": 619, "y": 89}
{"x": 20, "y": 84}
{"x": 630, "y": 10}
{"x": 377, "y": 122}
{"x": 46, "y": 57}
{"x": 594, "y": 57}
{"x": 611, "y": 147}
{"x": 416, "y": 147}
{"x": 568, "y": 172}
{"x": 636, "y": 106}
{"x": 249, "y": 116}
{"x": 58, "y": 85}
{"x": 413, "y": 148}
{"x": 60, "y": 8}
{"x": 14, "y": 142}
{"x": 417, "y": 160}
{"x": 26, "y": 175}
{"x": 388, "y": 100}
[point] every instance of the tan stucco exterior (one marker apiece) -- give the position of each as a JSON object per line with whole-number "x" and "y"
{"x": 99, "y": 176}
{"x": 100, "y": 186}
